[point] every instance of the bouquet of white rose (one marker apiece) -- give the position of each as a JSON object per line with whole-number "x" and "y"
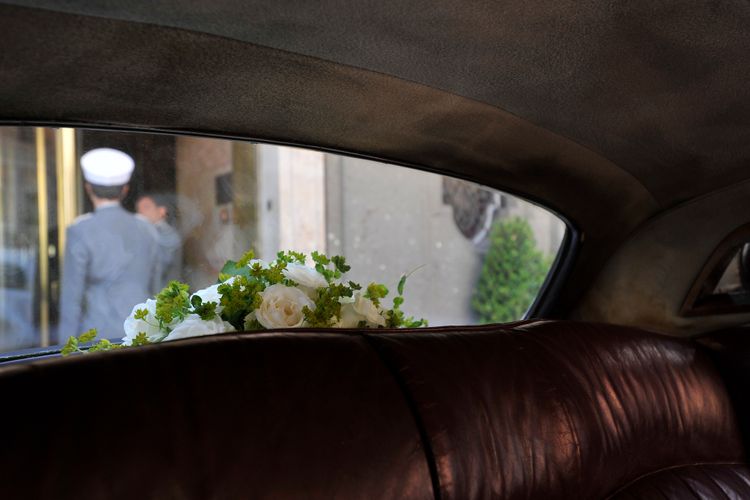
{"x": 252, "y": 294}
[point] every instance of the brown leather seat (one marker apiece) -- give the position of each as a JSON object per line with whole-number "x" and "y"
{"x": 251, "y": 416}
{"x": 563, "y": 410}
{"x": 531, "y": 410}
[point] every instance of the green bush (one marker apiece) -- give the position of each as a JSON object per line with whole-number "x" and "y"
{"x": 512, "y": 273}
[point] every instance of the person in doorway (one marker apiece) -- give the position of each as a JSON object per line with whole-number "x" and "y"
{"x": 111, "y": 260}
{"x": 155, "y": 208}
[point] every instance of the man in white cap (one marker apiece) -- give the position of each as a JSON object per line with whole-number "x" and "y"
{"x": 111, "y": 256}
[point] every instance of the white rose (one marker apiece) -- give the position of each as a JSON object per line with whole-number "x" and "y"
{"x": 282, "y": 307}
{"x": 194, "y": 326}
{"x": 367, "y": 309}
{"x": 349, "y": 317}
{"x": 307, "y": 278}
{"x": 134, "y": 326}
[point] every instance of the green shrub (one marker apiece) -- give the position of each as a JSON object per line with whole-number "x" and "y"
{"x": 512, "y": 273}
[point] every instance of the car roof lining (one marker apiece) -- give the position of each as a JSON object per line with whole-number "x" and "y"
{"x": 531, "y": 135}
{"x": 653, "y": 87}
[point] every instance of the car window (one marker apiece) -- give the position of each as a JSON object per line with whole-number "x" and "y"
{"x": 723, "y": 286}
{"x": 477, "y": 255}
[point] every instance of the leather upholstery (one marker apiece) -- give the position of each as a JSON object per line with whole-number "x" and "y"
{"x": 256, "y": 416}
{"x": 561, "y": 410}
{"x": 528, "y": 410}
{"x": 731, "y": 481}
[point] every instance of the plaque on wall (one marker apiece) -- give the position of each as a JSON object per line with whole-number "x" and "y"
{"x": 224, "y": 189}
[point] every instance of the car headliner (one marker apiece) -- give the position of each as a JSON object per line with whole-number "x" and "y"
{"x": 629, "y": 118}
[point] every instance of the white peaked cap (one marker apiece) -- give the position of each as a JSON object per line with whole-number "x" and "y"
{"x": 107, "y": 167}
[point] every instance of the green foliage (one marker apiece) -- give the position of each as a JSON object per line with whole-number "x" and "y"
{"x": 274, "y": 274}
{"x": 70, "y": 346}
{"x": 340, "y": 263}
{"x": 73, "y": 345}
{"x": 395, "y": 317}
{"x": 140, "y": 339}
{"x": 401, "y": 283}
{"x": 239, "y": 298}
{"x": 327, "y": 305}
{"x": 252, "y": 324}
{"x": 245, "y": 259}
{"x": 206, "y": 311}
{"x": 241, "y": 284}
{"x": 323, "y": 266}
{"x": 240, "y": 268}
{"x": 375, "y": 292}
{"x": 106, "y": 345}
{"x": 87, "y": 336}
{"x": 230, "y": 269}
{"x": 291, "y": 257}
{"x": 512, "y": 274}
{"x": 173, "y": 302}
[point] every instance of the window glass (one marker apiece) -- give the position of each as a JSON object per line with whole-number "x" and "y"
{"x": 478, "y": 255}
{"x": 724, "y": 285}
{"x": 735, "y": 276}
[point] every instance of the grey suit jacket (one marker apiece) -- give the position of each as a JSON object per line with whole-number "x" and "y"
{"x": 111, "y": 263}
{"x": 170, "y": 253}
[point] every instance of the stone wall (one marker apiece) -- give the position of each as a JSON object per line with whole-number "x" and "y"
{"x": 206, "y": 239}
{"x": 386, "y": 220}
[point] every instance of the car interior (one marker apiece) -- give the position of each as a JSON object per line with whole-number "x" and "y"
{"x": 617, "y": 133}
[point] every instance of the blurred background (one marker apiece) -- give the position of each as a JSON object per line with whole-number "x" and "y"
{"x": 481, "y": 254}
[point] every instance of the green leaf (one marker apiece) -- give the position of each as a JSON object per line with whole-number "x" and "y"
{"x": 291, "y": 257}
{"x": 320, "y": 258}
{"x": 414, "y": 323}
{"x": 401, "y": 284}
{"x": 375, "y": 292}
{"x": 246, "y": 258}
{"x": 88, "y": 336}
{"x": 70, "y": 347}
{"x": 239, "y": 298}
{"x": 252, "y": 324}
{"x": 140, "y": 339}
{"x": 206, "y": 311}
{"x": 232, "y": 268}
{"x": 327, "y": 305}
{"x": 340, "y": 263}
{"x": 102, "y": 345}
{"x": 172, "y": 303}
{"x": 196, "y": 301}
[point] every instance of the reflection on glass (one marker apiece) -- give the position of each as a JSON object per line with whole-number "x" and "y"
{"x": 19, "y": 238}
{"x": 736, "y": 276}
{"x": 481, "y": 254}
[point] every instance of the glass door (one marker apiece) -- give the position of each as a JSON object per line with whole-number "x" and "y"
{"x": 39, "y": 198}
